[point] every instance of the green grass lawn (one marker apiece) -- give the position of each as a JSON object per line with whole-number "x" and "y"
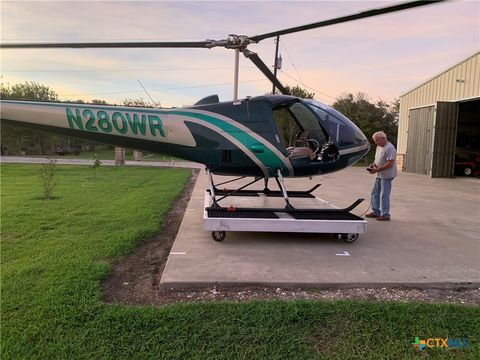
{"x": 55, "y": 253}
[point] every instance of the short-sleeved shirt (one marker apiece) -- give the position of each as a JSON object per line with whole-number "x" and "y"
{"x": 384, "y": 154}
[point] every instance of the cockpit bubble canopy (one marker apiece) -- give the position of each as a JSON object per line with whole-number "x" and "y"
{"x": 341, "y": 130}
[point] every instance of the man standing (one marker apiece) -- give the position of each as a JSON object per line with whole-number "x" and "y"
{"x": 386, "y": 169}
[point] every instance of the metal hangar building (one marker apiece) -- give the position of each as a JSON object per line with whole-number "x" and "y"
{"x": 439, "y": 123}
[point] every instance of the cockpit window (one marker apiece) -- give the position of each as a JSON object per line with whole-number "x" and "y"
{"x": 297, "y": 124}
{"x": 287, "y": 126}
{"x": 308, "y": 122}
{"x": 341, "y": 130}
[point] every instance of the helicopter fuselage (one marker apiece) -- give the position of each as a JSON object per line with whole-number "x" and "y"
{"x": 249, "y": 137}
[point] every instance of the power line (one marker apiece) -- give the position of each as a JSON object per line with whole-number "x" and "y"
{"x": 164, "y": 89}
{"x": 125, "y": 70}
{"x": 316, "y": 91}
{"x": 208, "y": 85}
{"x": 299, "y": 80}
{"x": 291, "y": 61}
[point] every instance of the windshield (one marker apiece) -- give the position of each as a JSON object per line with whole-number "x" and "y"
{"x": 341, "y": 130}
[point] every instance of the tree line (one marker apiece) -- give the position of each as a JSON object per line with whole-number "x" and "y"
{"x": 18, "y": 141}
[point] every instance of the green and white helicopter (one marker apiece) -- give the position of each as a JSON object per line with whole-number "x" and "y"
{"x": 262, "y": 137}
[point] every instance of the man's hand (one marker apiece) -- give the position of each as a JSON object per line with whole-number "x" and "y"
{"x": 387, "y": 165}
{"x": 372, "y": 168}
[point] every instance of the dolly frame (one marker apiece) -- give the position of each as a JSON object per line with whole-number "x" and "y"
{"x": 219, "y": 219}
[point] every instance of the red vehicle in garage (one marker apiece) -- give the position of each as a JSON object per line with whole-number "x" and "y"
{"x": 467, "y": 162}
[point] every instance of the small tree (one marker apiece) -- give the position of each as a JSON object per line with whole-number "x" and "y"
{"x": 96, "y": 164}
{"x": 98, "y": 102}
{"x": 47, "y": 178}
{"x": 140, "y": 102}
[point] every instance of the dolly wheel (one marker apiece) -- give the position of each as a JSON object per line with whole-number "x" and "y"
{"x": 348, "y": 238}
{"x": 218, "y": 235}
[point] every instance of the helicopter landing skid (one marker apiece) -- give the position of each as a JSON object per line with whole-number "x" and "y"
{"x": 265, "y": 218}
{"x": 224, "y": 193}
{"x": 266, "y": 192}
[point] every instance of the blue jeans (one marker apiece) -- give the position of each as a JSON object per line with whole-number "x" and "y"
{"x": 381, "y": 196}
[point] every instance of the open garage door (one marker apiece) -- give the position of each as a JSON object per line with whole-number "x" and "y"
{"x": 443, "y": 158}
{"x": 420, "y": 136}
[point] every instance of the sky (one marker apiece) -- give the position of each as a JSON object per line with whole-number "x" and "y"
{"x": 381, "y": 56}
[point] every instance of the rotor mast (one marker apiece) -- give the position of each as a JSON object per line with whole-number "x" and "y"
{"x": 238, "y": 43}
{"x": 235, "y": 75}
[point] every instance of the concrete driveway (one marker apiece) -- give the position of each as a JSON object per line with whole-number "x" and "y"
{"x": 432, "y": 241}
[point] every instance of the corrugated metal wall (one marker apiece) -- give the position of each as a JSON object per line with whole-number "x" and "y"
{"x": 445, "y": 135}
{"x": 443, "y": 87}
{"x": 420, "y": 136}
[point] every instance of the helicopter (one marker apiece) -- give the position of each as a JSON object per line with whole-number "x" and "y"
{"x": 240, "y": 137}
{"x": 270, "y": 136}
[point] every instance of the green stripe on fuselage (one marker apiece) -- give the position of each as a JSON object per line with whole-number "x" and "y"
{"x": 269, "y": 159}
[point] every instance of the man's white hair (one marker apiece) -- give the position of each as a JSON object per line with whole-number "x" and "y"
{"x": 379, "y": 134}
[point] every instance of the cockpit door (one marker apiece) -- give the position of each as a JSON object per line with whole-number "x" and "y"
{"x": 299, "y": 129}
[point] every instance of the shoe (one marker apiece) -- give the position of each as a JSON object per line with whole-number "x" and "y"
{"x": 383, "y": 218}
{"x": 372, "y": 215}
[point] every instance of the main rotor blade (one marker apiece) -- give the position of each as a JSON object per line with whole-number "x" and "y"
{"x": 265, "y": 70}
{"x": 365, "y": 14}
{"x": 180, "y": 44}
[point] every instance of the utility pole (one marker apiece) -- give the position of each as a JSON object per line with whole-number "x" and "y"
{"x": 275, "y": 63}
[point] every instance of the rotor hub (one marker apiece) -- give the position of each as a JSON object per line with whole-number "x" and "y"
{"x": 233, "y": 41}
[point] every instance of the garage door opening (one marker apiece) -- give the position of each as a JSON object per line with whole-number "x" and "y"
{"x": 467, "y": 151}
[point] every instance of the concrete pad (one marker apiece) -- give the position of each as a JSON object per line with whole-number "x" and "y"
{"x": 432, "y": 241}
